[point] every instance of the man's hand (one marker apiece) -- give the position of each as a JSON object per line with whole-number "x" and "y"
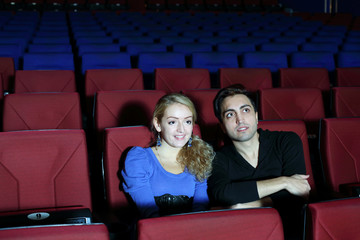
{"x": 264, "y": 202}
{"x": 298, "y": 185}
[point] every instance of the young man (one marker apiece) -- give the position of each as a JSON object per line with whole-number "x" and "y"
{"x": 258, "y": 168}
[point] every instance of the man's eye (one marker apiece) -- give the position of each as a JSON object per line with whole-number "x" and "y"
{"x": 229, "y": 115}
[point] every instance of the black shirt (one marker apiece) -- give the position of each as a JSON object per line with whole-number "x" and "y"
{"x": 233, "y": 179}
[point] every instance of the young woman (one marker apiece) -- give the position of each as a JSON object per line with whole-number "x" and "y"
{"x": 170, "y": 176}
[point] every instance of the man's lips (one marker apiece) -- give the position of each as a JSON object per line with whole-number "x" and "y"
{"x": 242, "y": 128}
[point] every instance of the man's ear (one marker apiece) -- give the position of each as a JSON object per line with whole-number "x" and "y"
{"x": 156, "y": 124}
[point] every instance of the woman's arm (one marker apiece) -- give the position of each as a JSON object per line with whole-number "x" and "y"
{"x": 136, "y": 174}
{"x": 201, "y": 199}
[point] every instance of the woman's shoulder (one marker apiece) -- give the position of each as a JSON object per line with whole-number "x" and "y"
{"x": 138, "y": 150}
{"x": 138, "y": 156}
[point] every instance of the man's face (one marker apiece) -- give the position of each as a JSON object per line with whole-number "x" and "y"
{"x": 239, "y": 118}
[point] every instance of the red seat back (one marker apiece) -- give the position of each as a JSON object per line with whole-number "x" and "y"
{"x": 293, "y": 103}
{"x": 252, "y": 79}
{"x": 347, "y": 77}
{"x": 109, "y": 80}
{"x": 346, "y": 101}
{"x": 231, "y": 224}
{"x": 203, "y": 99}
{"x": 116, "y": 108}
{"x": 305, "y": 78}
{"x": 44, "y": 169}
{"x": 7, "y": 70}
{"x": 336, "y": 220}
{"x": 31, "y": 111}
{"x": 44, "y": 81}
{"x": 118, "y": 142}
{"x": 58, "y": 232}
{"x": 303, "y": 104}
{"x": 340, "y": 151}
{"x": 299, "y": 128}
{"x": 177, "y": 79}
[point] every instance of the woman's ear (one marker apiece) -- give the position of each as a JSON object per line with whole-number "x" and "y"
{"x": 156, "y": 124}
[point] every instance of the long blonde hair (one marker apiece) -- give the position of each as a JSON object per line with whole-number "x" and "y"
{"x": 197, "y": 159}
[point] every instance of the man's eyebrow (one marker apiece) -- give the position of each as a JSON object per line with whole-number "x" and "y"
{"x": 231, "y": 109}
{"x": 228, "y": 110}
{"x": 245, "y": 105}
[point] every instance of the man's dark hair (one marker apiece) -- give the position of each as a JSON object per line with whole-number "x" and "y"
{"x": 228, "y": 92}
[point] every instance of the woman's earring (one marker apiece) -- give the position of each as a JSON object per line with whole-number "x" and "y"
{"x": 189, "y": 142}
{"x": 158, "y": 141}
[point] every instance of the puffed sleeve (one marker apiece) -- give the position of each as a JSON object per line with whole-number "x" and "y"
{"x": 201, "y": 199}
{"x": 136, "y": 174}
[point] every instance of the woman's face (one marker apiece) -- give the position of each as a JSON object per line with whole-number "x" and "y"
{"x": 176, "y": 126}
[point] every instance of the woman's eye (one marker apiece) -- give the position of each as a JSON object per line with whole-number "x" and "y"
{"x": 171, "y": 122}
{"x": 189, "y": 122}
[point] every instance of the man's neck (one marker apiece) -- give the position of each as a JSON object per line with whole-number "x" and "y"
{"x": 249, "y": 150}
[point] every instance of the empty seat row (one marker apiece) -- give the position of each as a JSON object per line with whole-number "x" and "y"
{"x": 171, "y": 79}
{"x": 212, "y": 61}
{"x": 29, "y": 111}
{"x": 294, "y": 83}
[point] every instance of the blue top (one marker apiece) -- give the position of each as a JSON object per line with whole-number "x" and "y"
{"x": 145, "y": 178}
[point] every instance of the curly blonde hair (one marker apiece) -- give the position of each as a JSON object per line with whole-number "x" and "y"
{"x": 197, "y": 159}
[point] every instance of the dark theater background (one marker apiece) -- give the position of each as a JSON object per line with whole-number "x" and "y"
{"x": 79, "y": 80}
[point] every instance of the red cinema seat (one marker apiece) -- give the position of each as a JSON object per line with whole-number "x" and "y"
{"x": 346, "y": 101}
{"x": 44, "y": 169}
{"x": 252, "y": 79}
{"x": 31, "y": 111}
{"x": 308, "y": 78}
{"x": 27, "y": 81}
{"x": 207, "y": 121}
{"x": 299, "y": 128}
{"x": 177, "y": 79}
{"x": 230, "y": 224}
{"x": 293, "y": 104}
{"x": 305, "y": 78}
{"x": 348, "y": 77}
{"x": 116, "y": 108}
{"x": 336, "y": 220}
{"x": 7, "y": 70}
{"x": 118, "y": 141}
{"x": 124, "y": 108}
{"x": 340, "y": 154}
{"x": 57, "y": 232}
{"x": 1, "y": 90}
{"x": 109, "y": 80}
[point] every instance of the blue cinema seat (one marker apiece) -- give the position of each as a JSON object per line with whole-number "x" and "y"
{"x": 48, "y": 61}
{"x": 104, "y": 60}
